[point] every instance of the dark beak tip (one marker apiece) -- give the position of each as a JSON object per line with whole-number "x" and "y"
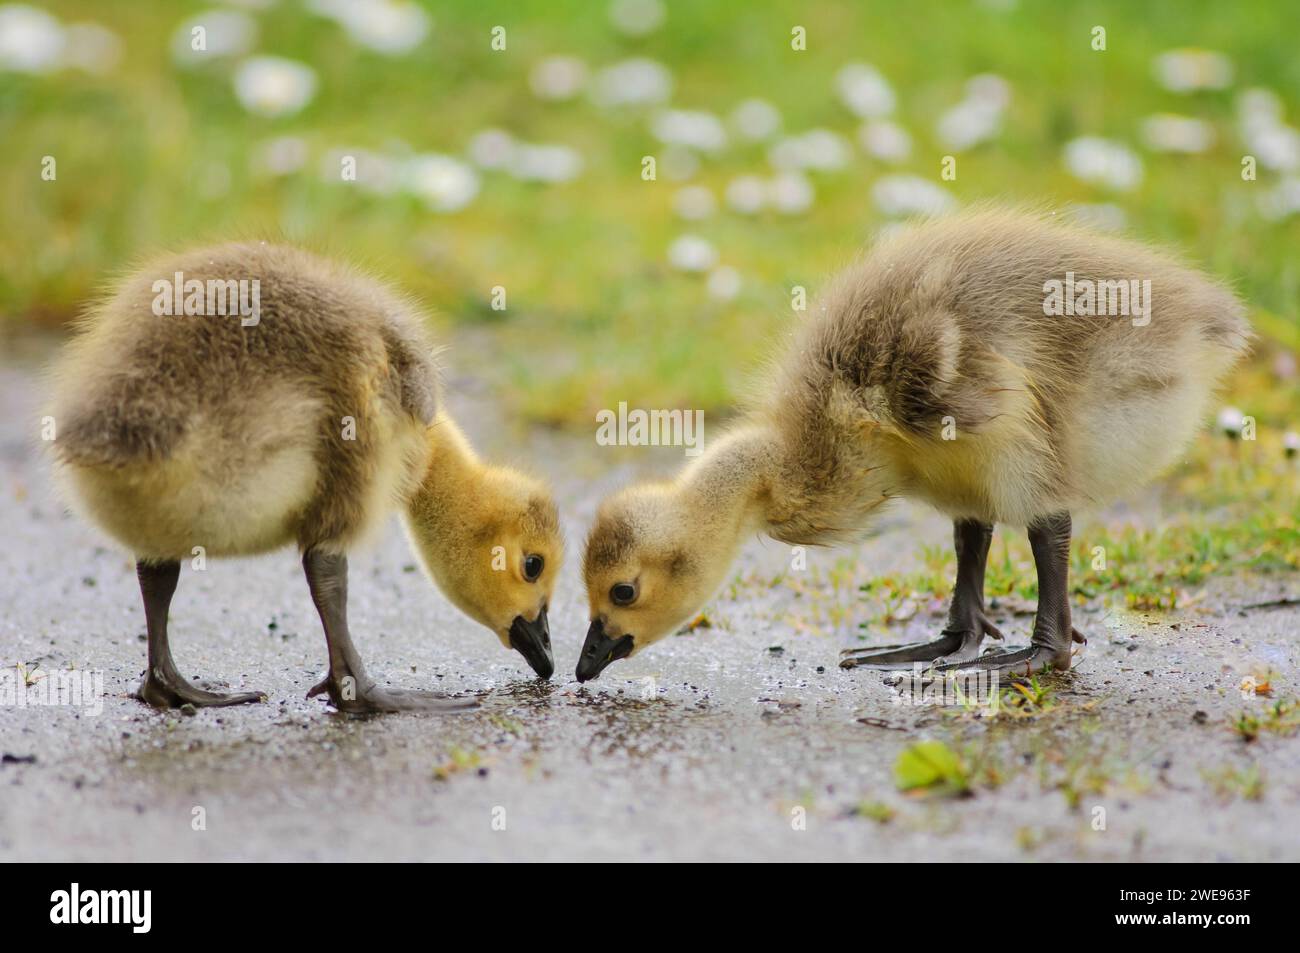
{"x": 532, "y": 640}
{"x": 599, "y": 650}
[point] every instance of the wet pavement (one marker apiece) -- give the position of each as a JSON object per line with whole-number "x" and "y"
{"x": 743, "y": 740}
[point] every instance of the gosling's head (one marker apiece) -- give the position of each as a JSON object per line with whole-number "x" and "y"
{"x": 649, "y": 566}
{"x": 495, "y": 551}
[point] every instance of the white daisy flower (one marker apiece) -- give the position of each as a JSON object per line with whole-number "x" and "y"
{"x": 885, "y": 140}
{"x": 31, "y": 41}
{"x": 374, "y": 172}
{"x": 693, "y": 129}
{"x": 1281, "y": 201}
{"x": 1231, "y": 421}
{"x": 1166, "y": 132}
{"x": 633, "y": 82}
{"x": 967, "y": 124}
{"x": 444, "y": 183}
{"x": 692, "y": 253}
{"x": 1276, "y": 147}
{"x": 1271, "y": 141}
{"x": 492, "y": 149}
{"x": 899, "y": 195}
{"x": 864, "y": 91}
{"x": 990, "y": 89}
{"x": 544, "y": 163}
{"x": 819, "y": 149}
{"x": 391, "y": 27}
{"x": 216, "y": 34}
{"x": 273, "y": 86}
{"x": 1103, "y": 162}
{"x": 978, "y": 117}
{"x": 790, "y": 193}
{"x": 756, "y": 120}
{"x": 724, "y": 283}
{"x": 636, "y": 17}
{"x": 746, "y": 194}
{"x": 1189, "y": 70}
{"x": 283, "y": 155}
{"x": 558, "y": 77}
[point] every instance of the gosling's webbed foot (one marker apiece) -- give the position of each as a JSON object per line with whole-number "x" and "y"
{"x": 967, "y": 622}
{"x": 162, "y": 689}
{"x": 349, "y": 688}
{"x": 1031, "y": 660}
{"x": 347, "y": 696}
{"x": 949, "y": 652}
{"x": 1051, "y": 654}
{"x": 1051, "y": 647}
{"x": 399, "y": 699}
{"x": 164, "y": 686}
{"x": 953, "y": 645}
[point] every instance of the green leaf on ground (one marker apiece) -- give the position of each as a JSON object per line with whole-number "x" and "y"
{"x": 931, "y": 766}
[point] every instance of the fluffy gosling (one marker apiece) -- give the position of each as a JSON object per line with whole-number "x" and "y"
{"x": 301, "y": 416}
{"x": 947, "y": 367}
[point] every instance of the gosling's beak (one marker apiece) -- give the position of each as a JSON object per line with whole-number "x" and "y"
{"x": 532, "y": 640}
{"x": 599, "y": 650}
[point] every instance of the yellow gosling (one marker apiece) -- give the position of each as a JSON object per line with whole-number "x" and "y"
{"x": 233, "y": 400}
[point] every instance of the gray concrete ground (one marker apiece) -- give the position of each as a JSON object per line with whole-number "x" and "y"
{"x": 752, "y": 744}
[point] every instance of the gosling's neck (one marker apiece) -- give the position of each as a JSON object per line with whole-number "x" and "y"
{"x": 796, "y": 489}
{"x": 729, "y": 487}
{"x": 449, "y": 481}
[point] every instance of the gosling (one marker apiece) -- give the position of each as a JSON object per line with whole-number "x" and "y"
{"x": 1001, "y": 366}
{"x": 230, "y": 401}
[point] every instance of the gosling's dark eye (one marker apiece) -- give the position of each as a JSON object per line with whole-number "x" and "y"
{"x": 623, "y": 593}
{"x": 533, "y": 567}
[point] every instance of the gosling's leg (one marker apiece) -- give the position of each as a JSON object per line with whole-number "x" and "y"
{"x": 967, "y": 623}
{"x": 348, "y": 685}
{"x": 163, "y": 685}
{"x": 1050, "y": 646}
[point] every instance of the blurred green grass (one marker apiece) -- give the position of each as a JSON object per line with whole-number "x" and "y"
{"x": 154, "y": 156}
